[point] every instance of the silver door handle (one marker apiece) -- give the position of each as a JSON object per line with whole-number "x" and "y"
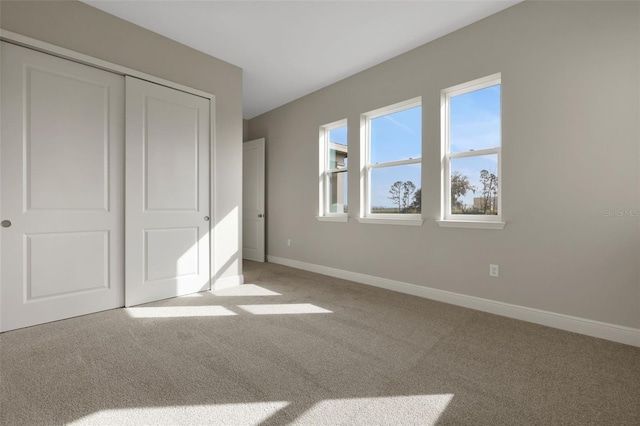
{"x": 5, "y": 223}
{"x": 206, "y": 218}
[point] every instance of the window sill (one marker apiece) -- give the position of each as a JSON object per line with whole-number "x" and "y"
{"x": 390, "y": 221}
{"x": 470, "y": 224}
{"x": 344, "y": 218}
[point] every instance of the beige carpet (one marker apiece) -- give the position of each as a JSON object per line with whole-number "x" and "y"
{"x": 299, "y": 348}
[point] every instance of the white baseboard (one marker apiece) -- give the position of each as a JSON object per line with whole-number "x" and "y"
{"x": 227, "y": 282}
{"x": 602, "y": 330}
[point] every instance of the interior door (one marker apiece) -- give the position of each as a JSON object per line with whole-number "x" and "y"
{"x": 167, "y": 192}
{"x": 253, "y": 214}
{"x": 62, "y": 188}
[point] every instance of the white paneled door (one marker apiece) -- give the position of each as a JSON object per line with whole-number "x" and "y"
{"x": 253, "y": 214}
{"x": 167, "y": 192}
{"x": 61, "y": 202}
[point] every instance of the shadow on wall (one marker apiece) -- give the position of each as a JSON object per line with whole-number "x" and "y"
{"x": 227, "y": 252}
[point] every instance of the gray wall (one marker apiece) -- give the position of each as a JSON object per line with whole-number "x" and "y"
{"x": 245, "y": 130}
{"x": 87, "y": 30}
{"x": 571, "y": 85}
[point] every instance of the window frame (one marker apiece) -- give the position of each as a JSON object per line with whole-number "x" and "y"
{"x": 324, "y": 204}
{"x": 467, "y": 220}
{"x": 366, "y": 166}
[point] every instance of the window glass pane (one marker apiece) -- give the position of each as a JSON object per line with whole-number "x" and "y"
{"x": 396, "y": 136}
{"x": 396, "y": 189}
{"x": 338, "y": 148}
{"x": 475, "y": 120}
{"x": 337, "y": 191}
{"x": 474, "y": 185}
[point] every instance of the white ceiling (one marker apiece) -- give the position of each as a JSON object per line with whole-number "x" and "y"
{"x": 288, "y": 49}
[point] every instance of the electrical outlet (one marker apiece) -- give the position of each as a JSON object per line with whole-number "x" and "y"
{"x": 494, "y": 270}
{"x": 288, "y": 243}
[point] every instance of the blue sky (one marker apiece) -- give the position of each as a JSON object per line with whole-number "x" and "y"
{"x": 475, "y": 120}
{"x": 338, "y": 135}
{"x": 396, "y": 136}
{"x": 475, "y": 124}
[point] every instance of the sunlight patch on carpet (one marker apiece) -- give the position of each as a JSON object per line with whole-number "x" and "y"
{"x": 245, "y": 290}
{"x": 413, "y": 409}
{"x": 228, "y": 414}
{"x": 284, "y": 309}
{"x": 179, "y": 311}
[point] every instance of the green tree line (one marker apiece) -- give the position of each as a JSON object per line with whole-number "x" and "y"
{"x": 408, "y": 199}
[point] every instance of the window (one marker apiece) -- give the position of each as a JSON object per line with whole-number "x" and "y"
{"x": 471, "y": 144}
{"x": 334, "y": 155}
{"x": 391, "y": 155}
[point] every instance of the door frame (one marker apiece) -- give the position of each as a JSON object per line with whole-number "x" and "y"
{"x": 64, "y": 53}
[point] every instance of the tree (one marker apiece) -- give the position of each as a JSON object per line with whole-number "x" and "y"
{"x": 400, "y": 193}
{"x": 417, "y": 201}
{"x": 489, "y": 183}
{"x": 396, "y": 193}
{"x": 408, "y": 188}
{"x": 459, "y": 187}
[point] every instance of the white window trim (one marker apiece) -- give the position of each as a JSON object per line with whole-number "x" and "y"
{"x": 366, "y": 216}
{"x": 470, "y": 224}
{"x": 449, "y": 220}
{"x": 324, "y": 215}
{"x": 334, "y": 218}
{"x": 381, "y": 219}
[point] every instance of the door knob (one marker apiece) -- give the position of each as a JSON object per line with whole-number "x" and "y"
{"x": 206, "y": 218}
{"x": 5, "y": 223}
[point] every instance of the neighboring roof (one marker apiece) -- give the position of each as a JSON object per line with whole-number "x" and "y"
{"x": 338, "y": 147}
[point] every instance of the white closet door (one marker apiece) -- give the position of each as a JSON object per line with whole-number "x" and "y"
{"x": 61, "y": 184}
{"x": 167, "y": 192}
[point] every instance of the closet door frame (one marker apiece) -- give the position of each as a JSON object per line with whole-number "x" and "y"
{"x": 61, "y": 52}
